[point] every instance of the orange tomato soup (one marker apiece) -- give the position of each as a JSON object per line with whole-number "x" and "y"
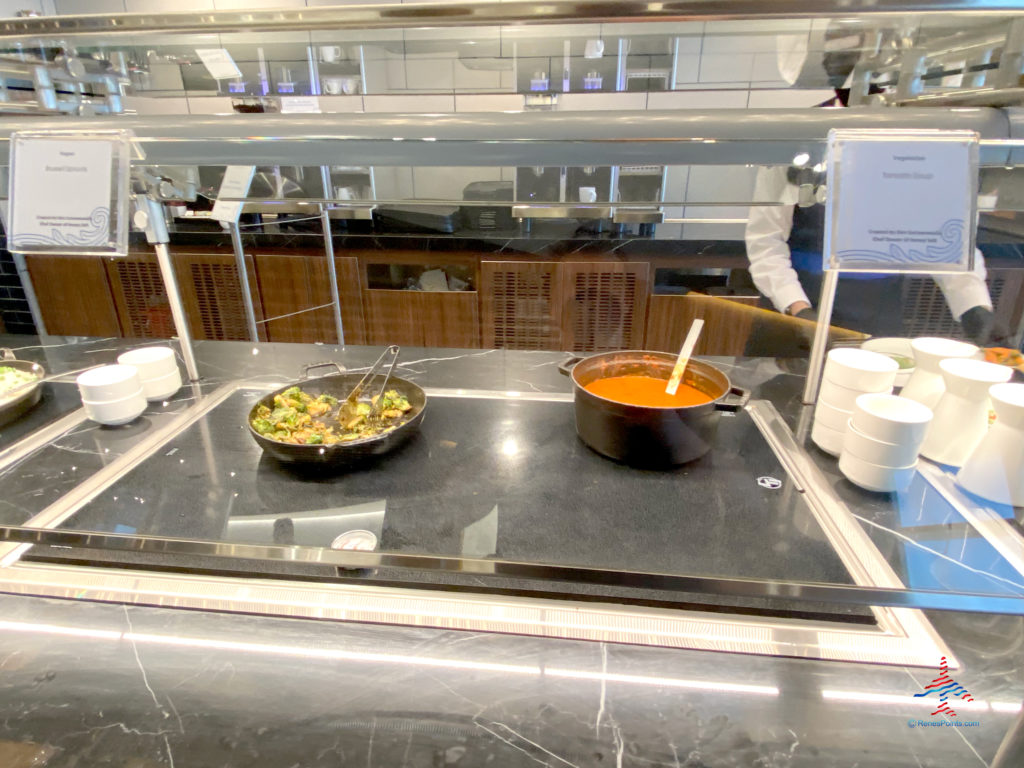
{"x": 647, "y": 391}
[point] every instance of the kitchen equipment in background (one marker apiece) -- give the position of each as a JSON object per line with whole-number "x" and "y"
{"x": 961, "y": 416}
{"x": 900, "y": 350}
{"x": 649, "y": 436}
{"x": 158, "y": 370}
{"x": 580, "y": 180}
{"x": 926, "y": 384}
{"x": 331, "y": 53}
{"x": 538, "y": 184}
{"x": 593, "y": 49}
{"x": 345, "y": 193}
{"x": 882, "y": 441}
{"x": 849, "y": 373}
{"x": 237, "y": 86}
{"x": 592, "y": 81}
{"x": 995, "y": 469}
{"x": 343, "y": 454}
{"x": 430, "y": 218}
{"x": 286, "y": 84}
{"x": 539, "y": 81}
{"x": 487, "y": 217}
{"x": 19, "y": 401}
{"x": 112, "y": 394}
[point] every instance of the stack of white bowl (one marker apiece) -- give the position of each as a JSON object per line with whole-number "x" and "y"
{"x": 849, "y": 373}
{"x": 882, "y": 442}
{"x": 158, "y": 370}
{"x": 112, "y": 394}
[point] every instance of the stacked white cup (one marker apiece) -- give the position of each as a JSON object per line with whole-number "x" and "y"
{"x": 112, "y": 394}
{"x": 158, "y": 370}
{"x": 849, "y": 373}
{"x": 882, "y": 442}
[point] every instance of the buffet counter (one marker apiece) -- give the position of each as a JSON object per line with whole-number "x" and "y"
{"x": 504, "y": 545}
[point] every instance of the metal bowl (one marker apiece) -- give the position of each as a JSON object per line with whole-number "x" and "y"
{"x": 15, "y": 407}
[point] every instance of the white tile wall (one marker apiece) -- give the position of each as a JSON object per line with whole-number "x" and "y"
{"x": 726, "y": 67}
{"x": 777, "y": 98}
{"x": 341, "y": 104}
{"x": 429, "y": 74}
{"x": 687, "y": 69}
{"x": 448, "y": 183}
{"x": 210, "y": 105}
{"x": 586, "y": 102}
{"x": 393, "y": 183}
{"x": 234, "y": 5}
{"x": 432, "y": 103}
{"x": 78, "y": 7}
{"x": 488, "y": 102}
{"x": 706, "y": 99}
{"x": 147, "y": 6}
{"x": 8, "y": 8}
{"x": 476, "y": 80}
{"x": 162, "y": 106}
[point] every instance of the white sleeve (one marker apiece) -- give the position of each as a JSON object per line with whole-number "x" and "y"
{"x": 771, "y": 268}
{"x": 966, "y": 290}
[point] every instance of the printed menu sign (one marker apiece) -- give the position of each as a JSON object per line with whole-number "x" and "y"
{"x": 236, "y": 182}
{"x": 61, "y": 192}
{"x": 901, "y": 201}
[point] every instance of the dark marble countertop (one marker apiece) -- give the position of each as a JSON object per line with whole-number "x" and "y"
{"x": 99, "y": 684}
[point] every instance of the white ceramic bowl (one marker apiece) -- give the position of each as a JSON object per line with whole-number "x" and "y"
{"x": 891, "y": 419}
{"x": 109, "y": 382}
{"x": 163, "y": 387}
{"x": 874, "y": 477}
{"x": 963, "y": 377}
{"x": 116, "y": 412}
{"x": 152, "y": 362}
{"x": 860, "y": 369}
{"x": 842, "y": 397}
{"x": 893, "y": 345}
{"x": 828, "y": 439}
{"x": 1008, "y": 403}
{"x": 929, "y": 351}
{"x": 878, "y": 451}
{"x": 831, "y": 417}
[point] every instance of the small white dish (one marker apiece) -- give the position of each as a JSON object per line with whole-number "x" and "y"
{"x": 873, "y": 477}
{"x": 844, "y": 398}
{"x": 926, "y": 385}
{"x": 861, "y": 369}
{"x": 116, "y": 412}
{"x": 828, "y": 439}
{"x": 109, "y": 382}
{"x": 995, "y": 469}
{"x": 878, "y": 451}
{"x": 831, "y": 416}
{"x": 891, "y": 419}
{"x": 163, "y": 387}
{"x": 894, "y": 345}
{"x": 152, "y": 362}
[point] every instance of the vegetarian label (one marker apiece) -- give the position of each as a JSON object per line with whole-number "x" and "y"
{"x": 219, "y": 63}
{"x": 901, "y": 202}
{"x": 237, "y": 179}
{"x": 61, "y": 190}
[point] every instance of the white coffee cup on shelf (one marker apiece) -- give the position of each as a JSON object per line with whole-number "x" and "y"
{"x": 334, "y": 85}
{"x": 330, "y": 53}
{"x": 588, "y": 194}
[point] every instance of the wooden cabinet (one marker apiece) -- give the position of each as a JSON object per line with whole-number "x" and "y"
{"x": 74, "y": 295}
{"x": 521, "y": 304}
{"x": 727, "y": 322}
{"x": 210, "y": 290}
{"x": 292, "y": 282}
{"x": 420, "y": 318}
{"x": 604, "y": 305}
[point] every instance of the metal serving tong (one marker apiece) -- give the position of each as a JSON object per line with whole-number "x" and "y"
{"x": 350, "y": 402}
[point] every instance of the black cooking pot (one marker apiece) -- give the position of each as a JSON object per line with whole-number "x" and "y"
{"x": 27, "y": 396}
{"x": 646, "y": 436}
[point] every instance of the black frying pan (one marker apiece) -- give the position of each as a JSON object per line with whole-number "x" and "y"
{"x": 339, "y": 385}
{"x": 28, "y": 396}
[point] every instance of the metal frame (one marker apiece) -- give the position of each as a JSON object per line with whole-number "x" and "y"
{"x": 399, "y": 16}
{"x": 902, "y": 636}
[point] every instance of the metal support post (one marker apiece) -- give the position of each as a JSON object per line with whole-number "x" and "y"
{"x": 1011, "y": 751}
{"x": 243, "y": 277}
{"x": 163, "y": 257}
{"x": 818, "y": 347}
{"x": 149, "y": 218}
{"x": 332, "y": 272}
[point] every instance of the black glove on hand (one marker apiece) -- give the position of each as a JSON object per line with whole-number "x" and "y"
{"x": 808, "y": 314}
{"x": 806, "y": 332}
{"x": 983, "y": 328}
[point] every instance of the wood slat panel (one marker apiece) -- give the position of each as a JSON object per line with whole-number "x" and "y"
{"x": 520, "y": 305}
{"x": 604, "y": 306}
{"x": 423, "y": 318}
{"x": 212, "y": 295}
{"x": 727, "y": 323}
{"x": 139, "y": 297}
{"x": 74, "y": 295}
{"x": 289, "y": 283}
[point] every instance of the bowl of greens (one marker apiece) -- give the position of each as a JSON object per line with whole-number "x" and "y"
{"x": 898, "y": 349}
